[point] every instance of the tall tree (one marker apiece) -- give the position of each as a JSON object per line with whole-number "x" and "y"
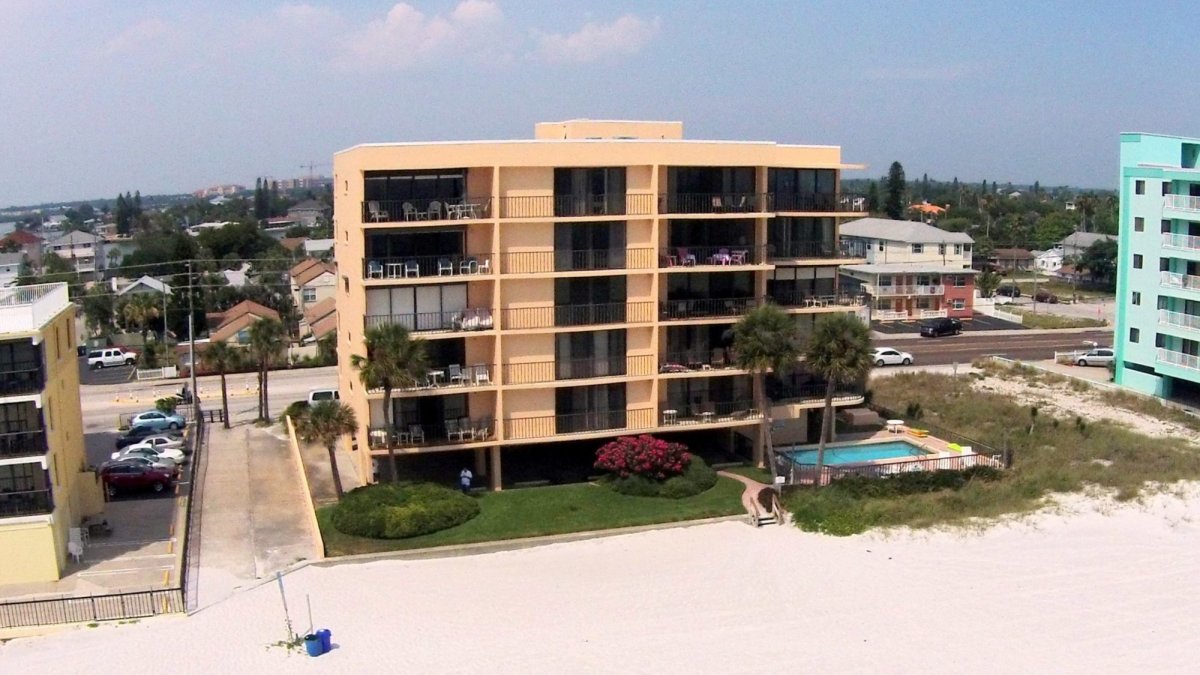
{"x": 765, "y": 340}
{"x": 925, "y": 186}
{"x": 138, "y": 311}
{"x": 873, "y": 197}
{"x": 324, "y": 424}
{"x": 121, "y": 215}
{"x": 223, "y": 358}
{"x": 893, "y": 202}
{"x": 840, "y": 352}
{"x": 1100, "y": 260}
{"x": 393, "y": 360}
{"x": 267, "y": 341}
{"x": 98, "y": 309}
{"x": 273, "y": 200}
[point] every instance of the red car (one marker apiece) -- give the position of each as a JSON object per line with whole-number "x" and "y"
{"x": 129, "y": 477}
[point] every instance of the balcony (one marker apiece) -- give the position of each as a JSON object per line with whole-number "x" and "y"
{"x": 451, "y": 376}
{"x": 804, "y": 250}
{"x": 1180, "y": 242}
{"x": 27, "y": 308}
{"x": 1182, "y": 281}
{"x": 1182, "y": 203}
{"x": 26, "y": 503}
{"x": 1174, "y": 358}
{"x": 428, "y": 266}
{"x": 473, "y": 319}
{"x": 21, "y": 379}
{"x": 895, "y": 291}
{"x": 551, "y": 316}
{"x": 809, "y": 394}
{"x": 713, "y": 203}
{"x": 1179, "y": 319}
{"x": 708, "y": 412}
{"x": 426, "y": 210}
{"x": 448, "y": 432}
{"x": 639, "y": 365}
{"x": 711, "y": 256}
{"x": 812, "y": 300}
{"x": 570, "y": 206}
{"x": 22, "y": 444}
{"x": 818, "y": 203}
{"x": 675, "y": 310}
{"x": 550, "y": 426}
{"x": 538, "y": 262}
{"x": 697, "y": 361}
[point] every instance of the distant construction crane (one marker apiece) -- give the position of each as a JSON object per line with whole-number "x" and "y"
{"x": 310, "y": 166}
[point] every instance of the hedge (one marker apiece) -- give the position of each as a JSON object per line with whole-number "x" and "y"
{"x": 697, "y": 477}
{"x": 401, "y": 510}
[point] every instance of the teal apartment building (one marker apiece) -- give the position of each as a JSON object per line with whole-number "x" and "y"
{"x": 1158, "y": 266}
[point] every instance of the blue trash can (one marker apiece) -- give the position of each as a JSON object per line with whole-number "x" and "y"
{"x": 326, "y": 636}
{"x": 312, "y": 645}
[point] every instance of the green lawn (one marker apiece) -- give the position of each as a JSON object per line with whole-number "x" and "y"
{"x": 753, "y": 473}
{"x": 532, "y": 512}
{"x": 1044, "y": 320}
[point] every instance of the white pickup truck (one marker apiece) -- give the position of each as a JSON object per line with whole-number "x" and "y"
{"x": 110, "y": 356}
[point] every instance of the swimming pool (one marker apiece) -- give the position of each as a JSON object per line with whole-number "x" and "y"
{"x": 856, "y": 454}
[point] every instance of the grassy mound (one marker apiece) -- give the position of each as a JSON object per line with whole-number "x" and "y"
{"x": 401, "y": 510}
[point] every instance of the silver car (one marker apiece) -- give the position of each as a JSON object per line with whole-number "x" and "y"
{"x": 1101, "y": 356}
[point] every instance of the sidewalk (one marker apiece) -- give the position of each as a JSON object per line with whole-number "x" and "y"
{"x": 320, "y": 478}
{"x": 254, "y": 513}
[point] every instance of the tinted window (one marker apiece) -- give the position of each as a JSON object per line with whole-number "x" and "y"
{"x": 94, "y": 355}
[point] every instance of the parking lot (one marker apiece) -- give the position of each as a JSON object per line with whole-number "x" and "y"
{"x": 976, "y": 322}
{"x": 111, "y": 375}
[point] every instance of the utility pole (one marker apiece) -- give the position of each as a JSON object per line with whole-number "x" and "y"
{"x": 192, "y": 343}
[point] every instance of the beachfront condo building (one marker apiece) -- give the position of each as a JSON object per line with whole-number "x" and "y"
{"x": 1158, "y": 266}
{"x": 579, "y": 286}
{"x": 46, "y": 487}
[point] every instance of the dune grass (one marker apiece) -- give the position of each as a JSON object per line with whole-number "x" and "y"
{"x": 560, "y": 509}
{"x": 1053, "y": 321}
{"x": 1049, "y": 455}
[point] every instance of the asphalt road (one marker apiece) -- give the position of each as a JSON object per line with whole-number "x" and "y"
{"x": 1017, "y": 345}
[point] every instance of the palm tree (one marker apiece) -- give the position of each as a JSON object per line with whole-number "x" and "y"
{"x": 138, "y": 311}
{"x": 222, "y": 357}
{"x": 393, "y": 359}
{"x": 266, "y": 342}
{"x": 325, "y": 423}
{"x": 840, "y": 352}
{"x": 765, "y": 339}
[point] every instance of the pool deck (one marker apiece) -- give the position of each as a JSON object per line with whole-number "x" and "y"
{"x": 937, "y": 454}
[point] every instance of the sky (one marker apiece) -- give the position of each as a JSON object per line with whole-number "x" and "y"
{"x": 99, "y": 97}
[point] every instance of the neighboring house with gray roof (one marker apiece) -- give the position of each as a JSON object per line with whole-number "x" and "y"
{"x": 83, "y": 250}
{"x": 1076, "y": 243}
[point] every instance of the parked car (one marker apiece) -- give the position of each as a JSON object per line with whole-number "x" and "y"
{"x": 158, "y": 420}
{"x": 886, "y": 356}
{"x": 317, "y": 395}
{"x": 139, "y": 434}
{"x": 151, "y": 453}
{"x": 155, "y": 461}
{"x": 114, "y": 356}
{"x": 1101, "y": 356}
{"x": 128, "y": 476}
{"x": 1009, "y": 291}
{"x": 940, "y": 327}
{"x": 159, "y": 441}
{"x": 1045, "y": 296}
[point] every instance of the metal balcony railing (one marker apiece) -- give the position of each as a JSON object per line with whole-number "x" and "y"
{"x": 721, "y": 256}
{"x": 25, "y": 503}
{"x": 704, "y": 412}
{"x": 474, "y": 319}
{"x": 450, "y": 431}
{"x": 802, "y": 299}
{"x": 713, "y": 202}
{"x": 695, "y": 360}
{"x": 418, "y": 266}
{"x": 534, "y": 262}
{"x": 635, "y": 365}
{"x": 818, "y": 203}
{"x": 23, "y": 443}
{"x": 21, "y": 380}
{"x": 708, "y": 307}
{"x": 572, "y": 206}
{"x": 551, "y": 316}
{"x": 432, "y": 209}
{"x": 1181, "y": 202}
{"x": 892, "y": 291}
{"x": 810, "y": 249}
{"x": 547, "y": 426}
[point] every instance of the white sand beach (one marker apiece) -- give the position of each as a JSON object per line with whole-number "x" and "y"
{"x": 1089, "y": 587}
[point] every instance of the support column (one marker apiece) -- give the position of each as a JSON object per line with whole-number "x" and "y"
{"x": 494, "y": 475}
{"x": 481, "y": 467}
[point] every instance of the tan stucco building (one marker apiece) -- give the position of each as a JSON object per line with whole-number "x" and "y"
{"x": 45, "y": 485}
{"x": 582, "y": 285}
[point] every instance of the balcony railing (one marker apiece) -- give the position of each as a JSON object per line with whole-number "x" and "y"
{"x": 548, "y": 426}
{"x": 27, "y": 308}
{"x": 675, "y": 413}
{"x": 27, "y": 380}
{"x": 818, "y": 203}
{"x": 636, "y": 365}
{"x": 1177, "y": 280}
{"x": 1179, "y": 319}
{"x": 25, "y": 503}
{"x": 418, "y": 266}
{"x": 802, "y": 299}
{"x": 1181, "y": 202}
{"x": 713, "y": 202}
{"x": 451, "y": 376}
{"x": 570, "y": 206}
{"x": 810, "y": 249}
{"x": 414, "y": 210}
{"x": 460, "y": 430}
{"x": 708, "y": 307}
{"x": 533, "y": 262}
{"x": 1189, "y": 361}
{"x": 1180, "y": 241}
{"x": 808, "y": 393}
{"x": 695, "y": 360}
{"x": 722, "y": 256}
{"x": 23, "y": 443}
{"x": 893, "y": 291}
{"x": 550, "y": 316}
{"x": 461, "y": 320}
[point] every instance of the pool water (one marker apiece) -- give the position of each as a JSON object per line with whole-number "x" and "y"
{"x": 854, "y": 454}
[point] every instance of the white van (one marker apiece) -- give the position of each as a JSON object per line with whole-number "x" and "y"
{"x": 317, "y": 395}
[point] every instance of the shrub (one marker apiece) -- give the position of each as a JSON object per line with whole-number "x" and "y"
{"x": 698, "y": 477}
{"x": 166, "y": 405}
{"x": 643, "y": 455}
{"x": 401, "y": 510}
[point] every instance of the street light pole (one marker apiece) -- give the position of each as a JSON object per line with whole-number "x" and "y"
{"x": 192, "y": 343}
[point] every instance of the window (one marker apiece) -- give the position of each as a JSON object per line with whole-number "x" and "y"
{"x": 966, "y": 248}
{"x": 880, "y": 249}
{"x": 1166, "y": 188}
{"x": 1139, "y": 187}
{"x": 346, "y": 283}
{"x": 1164, "y": 264}
{"x": 959, "y": 304}
{"x": 958, "y": 249}
{"x": 308, "y": 295}
{"x": 1137, "y": 298}
{"x": 1162, "y": 302}
{"x": 1137, "y": 261}
{"x": 1139, "y": 224}
{"x": 1165, "y": 226}
{"x": 960, "y": 281}
{"x": 941, "y": 249}
{"x": 918, "y": 248}
{"x": 1135, "y": 334}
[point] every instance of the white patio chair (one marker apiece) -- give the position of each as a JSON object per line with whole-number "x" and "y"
{"x": 445, "y": 266}
{"x": 75, "y": 549}
{"x": 456, "y": 374}
{"x": 482, "y": 374}
{"x": 377, "y": 214}
{"x": 411, "y": 269}
{"x": 435, "y": 210}
{"x": 374, "y": 269}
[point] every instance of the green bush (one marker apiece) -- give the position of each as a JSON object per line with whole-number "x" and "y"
{"x": 697, "y": 477}
{"x": 166, "y": 405}
{"x": 401, "y": 510}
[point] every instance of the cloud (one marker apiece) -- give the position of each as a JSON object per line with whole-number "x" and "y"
{"x": 153, "y": 33}
{"x": 934, "y": 74}
{"x": 595, "y": 40}
{"x": 407, "y": 36}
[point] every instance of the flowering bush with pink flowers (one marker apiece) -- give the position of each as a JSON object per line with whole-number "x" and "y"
{"x": 643, "y": 455}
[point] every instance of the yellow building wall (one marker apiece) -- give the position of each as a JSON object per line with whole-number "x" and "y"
{"x": 28, "y": 552}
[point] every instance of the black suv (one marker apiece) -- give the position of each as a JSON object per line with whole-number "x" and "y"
{"x": 940, "y": 327}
